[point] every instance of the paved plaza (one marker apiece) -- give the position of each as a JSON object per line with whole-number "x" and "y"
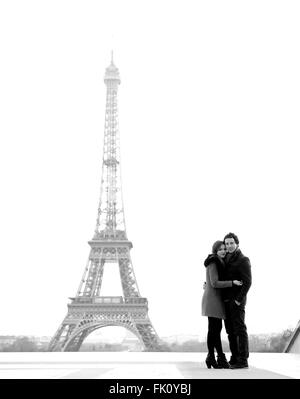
{"x": 140, "y": 365}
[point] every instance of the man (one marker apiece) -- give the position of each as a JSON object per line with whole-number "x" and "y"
{"x": 238, "y": 267}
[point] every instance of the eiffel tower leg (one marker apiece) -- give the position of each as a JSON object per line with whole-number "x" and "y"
{"x": 62, "y": 340}
{"x": 149, "y": 337}
{"x": 61, "y": 337}
{"x": 91, "y": 284}
{"x": 129, "y": 285}
{"x": 75, "y": 344}
{"x": 98, "y": 282}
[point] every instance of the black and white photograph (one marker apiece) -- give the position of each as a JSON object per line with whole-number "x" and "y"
{"x": 149, "y": 217}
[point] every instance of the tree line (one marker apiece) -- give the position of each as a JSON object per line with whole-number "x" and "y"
{"x": 257, "y": 343}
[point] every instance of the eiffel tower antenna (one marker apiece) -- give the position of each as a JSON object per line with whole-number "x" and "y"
{"x": 88, "y": 310}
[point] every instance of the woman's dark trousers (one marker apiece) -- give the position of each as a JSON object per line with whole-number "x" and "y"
{"x": 214, "y": 336}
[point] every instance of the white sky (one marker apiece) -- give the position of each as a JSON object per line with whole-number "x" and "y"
{"x": 209, "y": 124}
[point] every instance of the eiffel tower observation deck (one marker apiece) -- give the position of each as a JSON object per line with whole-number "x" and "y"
{"x": 88, "y": 310}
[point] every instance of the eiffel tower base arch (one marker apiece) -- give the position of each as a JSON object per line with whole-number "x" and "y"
{"x": 83, "y": 319}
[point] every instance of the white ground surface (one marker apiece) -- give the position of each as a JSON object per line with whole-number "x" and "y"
{"x": 140, "y": 365}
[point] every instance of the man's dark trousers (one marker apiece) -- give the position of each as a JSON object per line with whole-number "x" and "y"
{"x": 237, "y": 331}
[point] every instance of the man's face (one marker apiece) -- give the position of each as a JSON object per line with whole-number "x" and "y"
{"x": 230, "y": 244}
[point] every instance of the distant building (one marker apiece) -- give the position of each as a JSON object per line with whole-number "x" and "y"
{"x": 6, "y": 340}
{"x": 42, "y": 341}
{"x": 131, "y": 343}
{"x": 293, "y": 345}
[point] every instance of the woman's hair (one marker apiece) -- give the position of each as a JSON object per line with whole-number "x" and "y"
{"x": 216, "y": 246}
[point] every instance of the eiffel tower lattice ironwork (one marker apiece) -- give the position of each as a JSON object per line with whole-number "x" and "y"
{"x": 89, "y": 310}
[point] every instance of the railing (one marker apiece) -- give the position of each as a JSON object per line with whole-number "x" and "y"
{"x": 110, "y": 300}
{"x": 136, "y": 300}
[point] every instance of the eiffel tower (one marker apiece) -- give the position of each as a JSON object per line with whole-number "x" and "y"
{"x": 88, "y": 310}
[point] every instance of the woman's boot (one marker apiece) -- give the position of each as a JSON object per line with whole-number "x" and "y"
{"x": 222, "y": 361}
{"x": 211, "y": 361}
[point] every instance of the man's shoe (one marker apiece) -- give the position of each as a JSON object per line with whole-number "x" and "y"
{"x": 232, "y": 361}
{"x": 239, "y": 365}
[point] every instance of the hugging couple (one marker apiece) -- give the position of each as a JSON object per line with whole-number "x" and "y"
{"x": 228, "y": 279}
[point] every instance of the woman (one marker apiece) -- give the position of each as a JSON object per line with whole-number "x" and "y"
{"x": 213, "y": 306}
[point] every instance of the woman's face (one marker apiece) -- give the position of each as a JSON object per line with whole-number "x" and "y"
{"x": 221, "y": 252}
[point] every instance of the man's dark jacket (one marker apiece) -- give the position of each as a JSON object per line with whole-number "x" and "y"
{"x": 237, "y": 267}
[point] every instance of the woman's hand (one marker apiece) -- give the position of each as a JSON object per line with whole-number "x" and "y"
{"x": 237, "y": 282}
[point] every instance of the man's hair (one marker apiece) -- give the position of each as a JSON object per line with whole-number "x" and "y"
{"x": 234, "y": 236}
